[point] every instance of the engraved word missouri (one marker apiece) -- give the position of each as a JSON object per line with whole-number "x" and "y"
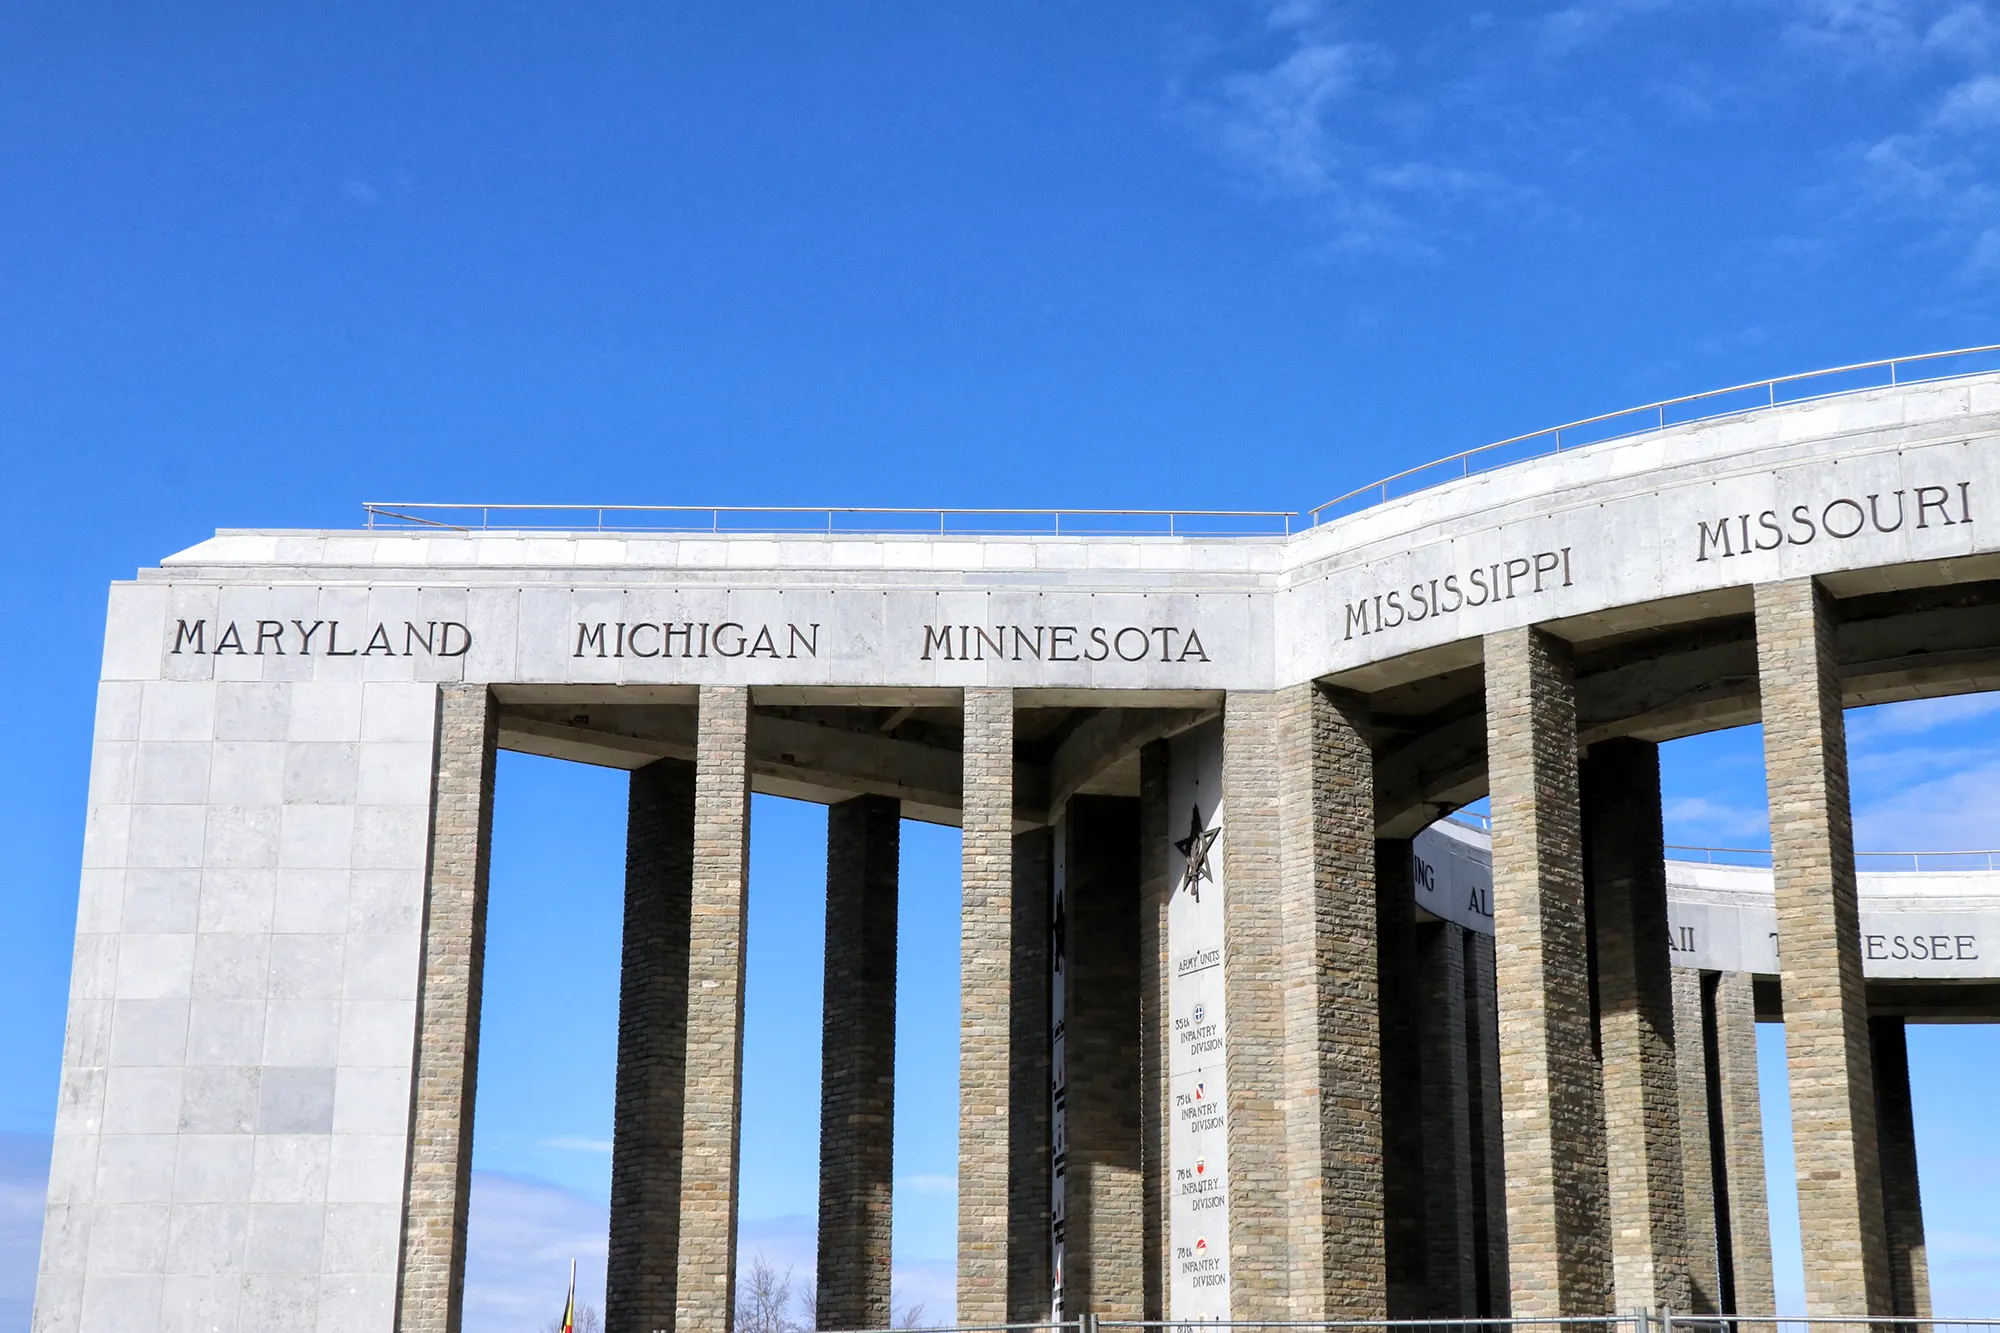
{"x": 693, "y": 638}
{"x": 437, "y": 638}
{"x": 1740, "y": 534}
{"x": 1061, "y": 643}
{"x": 1501, "y": 581}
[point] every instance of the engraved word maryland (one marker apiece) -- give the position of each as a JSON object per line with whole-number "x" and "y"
{"x": 322, "y": 638}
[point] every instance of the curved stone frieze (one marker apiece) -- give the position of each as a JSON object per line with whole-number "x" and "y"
{"x": 1877, "y": 491}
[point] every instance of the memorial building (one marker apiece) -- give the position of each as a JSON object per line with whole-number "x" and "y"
{"x": 1256, "y": 1022}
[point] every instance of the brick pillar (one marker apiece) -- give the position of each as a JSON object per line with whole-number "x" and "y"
{"x": 1902, "y": 1199}
{"x": 858, "y": 1063}
{"x": 1626, "y": 870}
{"x": 1446, "y": 1054}
{"x": 643, "y": 1264}
{"x": 1304, "y": 1070}
{"x": 705, "y": 1295}
{"x": 1405, "y": 1060}
{"x": 1746, "y": 1223}
{"x": 1819, "y": 948}
{"x": 1697, "y": 1165}
{"x": 1104, "y": 1197}
{"x": 1558, "y": 1218}
{"x": 1028, "y": 1156}
{"x": 438, "y": 1178}
{"x": 986, "y": 1008}
{"x": 1157, "y": 881}
{"x": 1489, "y": 1158}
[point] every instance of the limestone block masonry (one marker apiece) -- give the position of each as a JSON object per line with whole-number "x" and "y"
{"x": 265, "y": 1107}
{"x": 1819, "y": 929}
{"x": 705, "y": 1289}
{"x": 432, "y": 1288}
{"x": 643, "y": 1263}
{"x": 1552, "y": 1100}
{"x": 858, "y": 1063}
{"x": 1627, "y": 876}
{"x": 986, "y": 971}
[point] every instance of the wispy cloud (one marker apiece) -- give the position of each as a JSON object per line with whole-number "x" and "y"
{"x": 928, "y": 1184}
{"x": 577, "y": 1145}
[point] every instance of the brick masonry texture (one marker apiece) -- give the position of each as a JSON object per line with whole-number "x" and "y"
{"x": 705, "y": 1289}
{"x": 1697, "y": 1165}
{"x": 1405, "y": 1063}
{"x": 1902, "y": 1198}
{"x": 1028, "y": 1152}
{"x": 1157, "y": 882}
{"x": 858, "y": 1063}
{"x": 1750, "y": 1285}
{"x": 1558, "y": 1217}
{"x": 431, "y": 1282}
{"x": 1447, "y": 1092}
{"x": 1819, "y": 947}
{"x": 1625, "y": 869}
{"x": 1489, "y": 1158}
{"x": 1332, "y": 1037}
{"x": 644, "y": 1258}
{"x": 986, "y": 972}
{"x": 1104, "y": 1199}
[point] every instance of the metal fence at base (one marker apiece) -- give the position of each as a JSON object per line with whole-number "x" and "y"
{"x": 1664, "y": 1321}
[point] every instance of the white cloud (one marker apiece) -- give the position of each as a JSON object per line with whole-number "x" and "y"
{"x": 577, "y": 1145}
{"x": 24, "y": 1187}
{"x": 928, "y": 1184}
{"x": 1718, "y": 822}
{"x": 1971, "y": 106}
{"x": 519, "y": 1243}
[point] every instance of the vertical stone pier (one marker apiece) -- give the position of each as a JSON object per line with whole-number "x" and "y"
{"x": 1626, "y": 872}
{"x": 1104, "y": 1199}
{"x": 1819, "y": 946}
{"x": 986, "y": 1008}
{"x": 1489, "y": 1157}
{"x": 1691, "y": 1041}
{"x": 1407, "y": 1131}
{"x": 1902, "y": 1198}
{"x": 705, "y": 1295}
{"x": 431, "y": 1292}
{"x": 643, "y": 1263}
{"x": 1028, "y": 1149}
{"x": 1558, "y": 1216}
{"x": 858, "y": 1063}
{"x": 1157, "y": 881}
{"x": 1446, "y": 1056}
{"x": 1748, "y": 1282}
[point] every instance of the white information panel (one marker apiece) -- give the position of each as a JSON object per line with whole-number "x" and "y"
{"x": 1197, "y": 1148}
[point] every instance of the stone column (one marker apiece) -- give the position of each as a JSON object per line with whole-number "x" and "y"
{"x": 986, "y": 1008}
{"x": 1489, "y": 1159}
{"x": 1104, "y": 1199}
{"x": 1819, "y": 949}
{"x": 1902, "y": 1199}
{"x": 1305, "y": 1109}
{"x": 431, "y": 1291}
{"x": 1405, "y": 1059}
{"x": 1446, "y": 1123}
{"x": 1028, "y": 1154}
{"x": 858, "y": 1063}
{"x": 1157, "y": 882}
{"x": 1748, "y": 1285}
{"x": 644, "y": 1260}
{"x": 705, "y": 1294}
{"x": 1691, "y": 1040}
{"x": 1627, "y": 876}
{"x": 1558, "y": 1218}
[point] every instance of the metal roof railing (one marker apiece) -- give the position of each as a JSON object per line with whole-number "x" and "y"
{"x": 887, "y": 520}
{"x": 1652, "y": 418}
{"x": 871, "y": 520}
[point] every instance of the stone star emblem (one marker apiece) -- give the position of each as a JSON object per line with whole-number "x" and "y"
{"x": 1195, "y": 848}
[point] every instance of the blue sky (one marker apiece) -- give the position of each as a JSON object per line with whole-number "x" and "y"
{"x": 259, "y": 265}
